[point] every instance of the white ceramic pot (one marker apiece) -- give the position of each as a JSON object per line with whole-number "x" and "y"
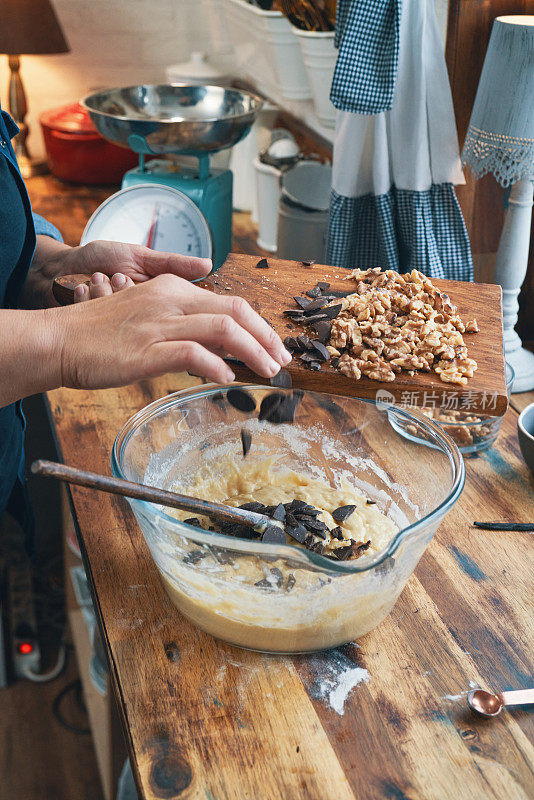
{"x": 268, "y": 196}
{"x": 266, "y": 50}
{"x": 319, "y": 56}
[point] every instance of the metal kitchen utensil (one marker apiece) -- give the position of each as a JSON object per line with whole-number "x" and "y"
{"x": 489, "y": 705}
{"x": 139, "y": 491}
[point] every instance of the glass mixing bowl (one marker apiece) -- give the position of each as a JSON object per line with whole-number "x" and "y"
{"x": 304, "y": 601}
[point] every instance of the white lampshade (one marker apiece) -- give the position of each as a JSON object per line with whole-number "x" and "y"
{"x": 500, "y": 138}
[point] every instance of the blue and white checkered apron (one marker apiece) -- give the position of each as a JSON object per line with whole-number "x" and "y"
{"x": 396, "y": 154}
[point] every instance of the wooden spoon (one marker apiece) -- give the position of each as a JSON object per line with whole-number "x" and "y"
{"x": 139, "y": 491}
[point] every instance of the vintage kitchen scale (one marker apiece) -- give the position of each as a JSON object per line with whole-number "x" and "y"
{"x": 169, "y": 206}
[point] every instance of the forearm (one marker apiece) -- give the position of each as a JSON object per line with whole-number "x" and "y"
{"x": 46, "y": 265}
{"x": 30, "y": 353}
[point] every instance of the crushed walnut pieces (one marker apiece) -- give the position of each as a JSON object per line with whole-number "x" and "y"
{"x": 391, "y": 323}
{"x": 395, "y": 322}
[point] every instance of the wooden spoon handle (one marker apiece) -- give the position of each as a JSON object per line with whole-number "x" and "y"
{"x": 139, "y": 491}
{"x": 63, "y": 288}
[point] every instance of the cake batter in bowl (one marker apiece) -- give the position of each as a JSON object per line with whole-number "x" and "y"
{"x": 338, "y": 451}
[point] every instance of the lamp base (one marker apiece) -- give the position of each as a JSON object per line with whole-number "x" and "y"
{"x": 522, "y": 362}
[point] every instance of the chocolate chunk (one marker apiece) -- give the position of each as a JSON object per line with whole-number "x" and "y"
{"x": 292, "y": 313}
{"x": 323, "y": 329}
{"x": 371, "y": 502}
{"x": 278, "y": 408}
{"x": 315, "y": 365}
{"x": 217, "y": 398}
{"x": 255, "y": 506}
{"x": 323, "y": 286}
{"x": 304, "y": 341}
{"x": 309, "y": 540}
{"x": 342, "y": 553}
{"x": 303, "y": 302}
{"x": 307, "y": 263}
{"x": 290, "y": 582}
{"x": 340, "y": 294}
{"x": 291, "y": 343}
{"x": 264, "y": 584}
{"x": 262, "y": 264}
{"x": 317, "y": 317}
{"x": 277, "y": 575}
{"x": 337, "y": 533}
{"x": 222, "y": 556}
{"x": 297, "y": 505}
{"x": 269, "y": 403}
{"x": 332, "y": 311}
{"x": 315, "y": 305}
{"x": 299, "y": 533}
{"x": 313, "y": 293}
{"x": 343, "y": 512}
{"x": 279, "y": 513}
{"x": 274, "y": 535}
{"x": 246, "y": 441}
{"x": 358, "y": 548}
{"x": 192, "y": 521}
{"x": 321, "y": 349}
{"x": 318, "y": 547}
{"x": 307, "y": 357}
{"x": 315, "y": 525}
{"x": 241, "y": 400}
{"x": 282, "y": 380}
{"x": 194, "y": 556}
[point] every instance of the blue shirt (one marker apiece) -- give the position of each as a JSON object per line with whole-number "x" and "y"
{"x": 18, "y": 229}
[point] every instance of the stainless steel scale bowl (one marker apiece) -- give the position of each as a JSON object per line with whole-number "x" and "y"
{"x": 172, "y": 119}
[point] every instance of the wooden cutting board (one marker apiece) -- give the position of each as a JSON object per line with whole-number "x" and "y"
{"x": 271, "y": 291}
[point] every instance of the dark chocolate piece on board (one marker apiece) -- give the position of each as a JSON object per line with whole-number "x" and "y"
{"x": 274, "y": 535}
{"x": 303, "y": 341}
{"x": 313, "y": 293}
{"x": 291, "y": 343}
{"x": 241, "y": 400}
{"x": 332, "y": 311}
{"x": 317, "y": 317}
{"x": 282, "y": 380}
{"x": 307, "y": 357}
{"x": 246, "y": 441}
{"x": 315, "y": 365}
{"x": 321, "y": 349}
{"x": 323, "y": 329}
{"x": 307, "y": 263}
{"x": 315, "y": 305}
{"x": 323, "y": 286}
{"x": 343, "y": 512}
{"x": 303, "y": 302}
{"x": 262, "y": 264}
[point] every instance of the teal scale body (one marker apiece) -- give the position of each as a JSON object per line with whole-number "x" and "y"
{"x": 209, "y": 189}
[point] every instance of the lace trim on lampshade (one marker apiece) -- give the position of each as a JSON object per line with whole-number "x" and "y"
{"x": 508, "y": 158}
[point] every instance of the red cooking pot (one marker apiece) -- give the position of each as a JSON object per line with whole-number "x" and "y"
{"x": 77, "y": 152}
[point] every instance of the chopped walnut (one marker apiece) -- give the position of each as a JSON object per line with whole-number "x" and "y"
{"x": 396, "y": 322}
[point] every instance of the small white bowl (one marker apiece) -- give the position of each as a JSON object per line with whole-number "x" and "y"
{"x": 525, "y": 433}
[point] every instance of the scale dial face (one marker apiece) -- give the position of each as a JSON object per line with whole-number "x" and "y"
{"x": 158, "y": 217}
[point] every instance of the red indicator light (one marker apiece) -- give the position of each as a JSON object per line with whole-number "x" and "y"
{"x": 25, "y": 648}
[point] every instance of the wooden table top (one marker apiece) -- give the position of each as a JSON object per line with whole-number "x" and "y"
{"x": 207, "y": 720}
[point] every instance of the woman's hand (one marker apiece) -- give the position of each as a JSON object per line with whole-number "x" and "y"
{"x": 163, "y": 325}
{"x": 124, "y": 264}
